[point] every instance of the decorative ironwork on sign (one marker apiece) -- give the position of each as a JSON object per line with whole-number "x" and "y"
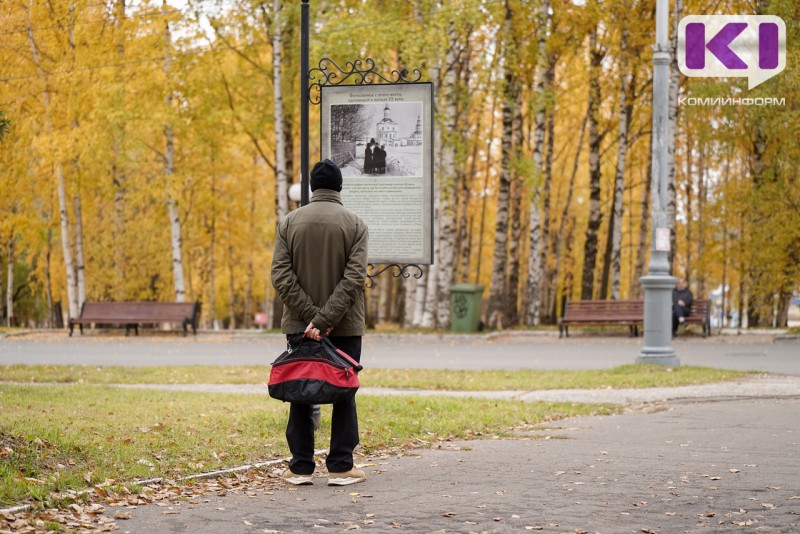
{"x": 399, "y": 270}
{"x": 358, "y": 72}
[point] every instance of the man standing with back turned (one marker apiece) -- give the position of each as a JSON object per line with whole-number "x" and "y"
{"x": 318, "y": 269}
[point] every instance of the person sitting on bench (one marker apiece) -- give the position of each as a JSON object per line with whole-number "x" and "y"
{"x": 681, "y": 304}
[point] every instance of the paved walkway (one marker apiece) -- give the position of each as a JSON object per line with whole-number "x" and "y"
{"x": 504, "y": 350}
{"x": 753, "y": 387}
{"x": 688, "y": 467}
{"x": 718, "y": 457}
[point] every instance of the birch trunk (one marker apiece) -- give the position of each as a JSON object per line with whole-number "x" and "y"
{"x": 118, "y": 153}
{"x": 545, "y": 313}
{"x": 429, "y": 311}
{"x": 248, "y": 295}
{"x": 514, "y": 245}
{"x": 516, "y": 215}
{"x": 595, "y": 215}
{"x": 428, "y": 315}
{"x": 409, "y": 292}
{"x": 562, "y": 223}
{"x": 644, "y": 219}
{"x": 212, "y": 258}
{"x": 484, "y": 190}
{"x": 702, "y": 193}
{"x": 79, "y": 252}
{"x": 212, "y": 273}
{"x": 448, "y": 200}
{"x": 384, "y": 291}
{"x": 496, "y": 313}
{"x": 672, "y": 129}
{"x": 48, "y": 283}
{"x": 420, "y": 297}
{"x": 80, "y": 265}
{"x": 497, "y": 296}
{"x": 66, "y": 248}
{"x": 627, "y": 84}
{"x": 2, "y": 296}
{"x": 10, "y": 281}
{"x": 464, "y": 241}
{"x": 281, "y": 177}
{"x": 169, "y": 170}
{"x": 688, "y": 180}
{"x": 464, "y": 232}
{"x": 231, "y": 282}
{"x": 533, "y": 306}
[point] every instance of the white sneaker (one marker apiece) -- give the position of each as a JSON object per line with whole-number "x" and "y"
{"x": 354, "y": 476}
{"x": 297, "y": 480}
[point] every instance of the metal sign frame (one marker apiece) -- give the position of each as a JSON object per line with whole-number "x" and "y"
{"x": 359, "y": 75}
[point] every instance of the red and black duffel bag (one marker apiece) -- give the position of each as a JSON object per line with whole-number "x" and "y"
{"x": 313, "y": 372}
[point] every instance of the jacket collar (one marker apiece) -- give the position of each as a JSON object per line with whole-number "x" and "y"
{"x": 326, "y": 195}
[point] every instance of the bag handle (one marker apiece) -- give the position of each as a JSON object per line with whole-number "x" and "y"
{"x": 326, "y": 341}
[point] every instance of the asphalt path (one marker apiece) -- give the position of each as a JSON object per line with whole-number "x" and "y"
{"x": 695, "y": 467}
{"x": 401, "y": 351}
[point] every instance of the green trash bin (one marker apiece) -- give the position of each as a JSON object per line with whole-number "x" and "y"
{"x": 465, "y": 307}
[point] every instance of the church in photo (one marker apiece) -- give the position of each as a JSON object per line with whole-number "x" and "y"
{"x": 388, "y": 133}
{"x": 387, "y": 129}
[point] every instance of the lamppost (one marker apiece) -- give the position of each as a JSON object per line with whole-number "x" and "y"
{"x": 658, "y": 283}
{"x": 304, "y": 37}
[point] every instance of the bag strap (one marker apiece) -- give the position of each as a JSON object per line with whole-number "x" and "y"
{"x": 326, "y": 341}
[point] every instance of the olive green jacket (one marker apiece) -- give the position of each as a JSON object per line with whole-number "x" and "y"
{"x": 319, "y": 266}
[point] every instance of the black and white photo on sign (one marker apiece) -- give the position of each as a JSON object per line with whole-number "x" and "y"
{"x": 377, "y": 139}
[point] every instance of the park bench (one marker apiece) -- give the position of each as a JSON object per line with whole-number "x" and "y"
{"x": 628, "y": 313}
{"x": 133, "y": 314}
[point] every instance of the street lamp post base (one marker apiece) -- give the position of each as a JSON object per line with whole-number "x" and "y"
{"x": 665, "y": 359}
{"x": 657, "y": 348}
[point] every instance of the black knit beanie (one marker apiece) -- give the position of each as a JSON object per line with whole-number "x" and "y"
{"x": 326, "y": 175}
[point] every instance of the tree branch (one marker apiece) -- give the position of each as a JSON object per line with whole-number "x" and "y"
{"x": 239, "y": 121}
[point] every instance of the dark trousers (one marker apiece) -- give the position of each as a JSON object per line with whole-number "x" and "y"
{"x": 678, "y": 311}
{"x": 344, "y": 426}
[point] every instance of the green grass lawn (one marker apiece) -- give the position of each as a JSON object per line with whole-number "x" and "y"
{"x": 56, "y": 438}
{"x": 626, "y": 376}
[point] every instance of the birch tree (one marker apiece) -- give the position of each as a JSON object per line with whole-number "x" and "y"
{"x": 80, "y": 265}
{"x": 519, "y": 178}
{"x": 66, "y": 248}
{"x": 118, "y": 177}
{"x": 535, "y": 259}
{"x": 10, "y": 281}
{"x": 281, "y": 177}
{"x": 169, "y": 171}
{"x": 448, "y": 200}
{"x": 596, "y": 55}
{"x": 625, "y": 111}
{"x": 496, "y": 314}
{"x": 672, "y": 129}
